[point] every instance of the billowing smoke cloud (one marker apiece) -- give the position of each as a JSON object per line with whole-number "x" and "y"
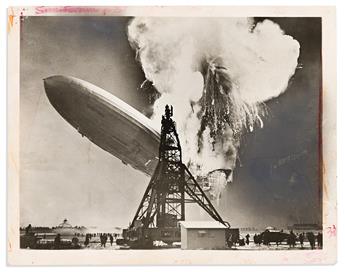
{"x": 217, "y": 73}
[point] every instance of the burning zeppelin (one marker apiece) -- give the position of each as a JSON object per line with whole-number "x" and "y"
{"x": 218, "y": 86}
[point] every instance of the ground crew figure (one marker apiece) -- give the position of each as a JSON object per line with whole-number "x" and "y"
{"x": 230, "y": 242}
{"x": 28, "y": 229}
{"x": 87, "y": 240}
{"x": 101, "y": 239}
{"x": 319, "y": 240}
{"x": 105, "y": 237}
{"x": 301, "y": 239}
{"x": 247, "y": 239}
{"x": 292, "y": 238}
{"x": 57, "y": 241}
{"x": 311, "y": 239}
{"x": 111, "y": 239}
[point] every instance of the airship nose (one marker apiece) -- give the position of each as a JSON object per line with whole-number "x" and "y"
{"x": 53, "y": 85}
{"x": 50, "y": 84}
{"x": 49, "y": 80}
{"x": 57, "y": 90}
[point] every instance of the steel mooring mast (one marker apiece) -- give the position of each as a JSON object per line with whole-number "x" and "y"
{"x": 171, "y": 186}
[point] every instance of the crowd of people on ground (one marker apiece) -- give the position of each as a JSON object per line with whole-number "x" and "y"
{"x": 103, "y": 238}
{"x": 292, "y": 238}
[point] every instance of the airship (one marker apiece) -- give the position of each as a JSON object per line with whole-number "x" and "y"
{"x": 106, "y": 120}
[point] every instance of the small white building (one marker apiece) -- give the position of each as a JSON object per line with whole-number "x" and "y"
{"x": 202, "y": 235}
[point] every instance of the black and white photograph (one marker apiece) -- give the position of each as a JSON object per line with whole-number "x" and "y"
{"x": 174, "y": 133}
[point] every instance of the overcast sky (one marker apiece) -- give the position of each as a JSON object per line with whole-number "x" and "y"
{"x": 64, "y": 175}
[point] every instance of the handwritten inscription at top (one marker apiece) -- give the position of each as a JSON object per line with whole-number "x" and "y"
{"x": 79, "y": 10}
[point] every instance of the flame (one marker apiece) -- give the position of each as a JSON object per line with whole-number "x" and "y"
{"x": 217, "y": 73}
